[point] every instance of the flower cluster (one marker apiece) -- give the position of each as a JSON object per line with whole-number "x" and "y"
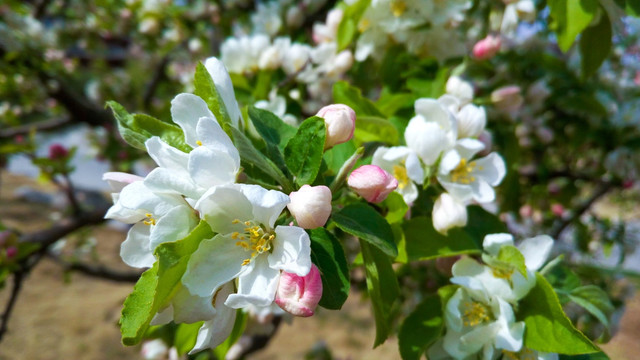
{"x": 442, "y": 142}
{"x": 251, "y": 261}
{"x": 479, "y": 317}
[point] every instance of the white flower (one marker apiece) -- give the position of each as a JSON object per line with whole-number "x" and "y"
{"x": 277, "y": 104}
{"x": 448, "y": 213}
{"x": 266, "y": 19}
{"x": 498, "y": 278}
{"x": 296, "y": 58}
{"x": 246, "y": 246}
{"x": 216, "y": 330}
{"x": 432, "y": 131}
{"x": 471, "y": 121}
{"x": 460, "y": 88}
{"x": 242, "y": 54}
{"x": 271, "y": 58}
{"x": 324, "y": 33}
{"x": 404, "y": 165}
{"x": 158, "y": 218}
{"x": 213, "y": 161}
{"x": 466, "y": 179}
{"x": 480, "y": 322}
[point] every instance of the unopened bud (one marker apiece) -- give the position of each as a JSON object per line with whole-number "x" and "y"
{"x": 12, "y": 251}
{"x": 448, "y": 213}
{"x": 487, "y": 47}
{"x": 299, "y": 295}
{"x": 557, "y": 210}
{"x": 57, "y": 152}
{"x": 340, "y": 121}
{"x": 507, "y": 98}
{"x": 372, "y": 183}
{"x": 311, "y": 206}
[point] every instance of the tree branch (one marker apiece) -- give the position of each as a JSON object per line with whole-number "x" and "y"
{"x": 98, "y": 271}
{"x": 155, "y": 81}
{"x": 15, "y": 291}
{"x": 46, "y": 125}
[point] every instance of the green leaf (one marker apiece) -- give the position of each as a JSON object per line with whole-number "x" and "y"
{"x": 344, "y": 93}
{"x": 595, "y": 45}
{"x": 396, "y": 207}
{"x": 511, "y": 255}
{"x": 421, "y": 328}
{"x": 251, "y": 155}
{"x": 185, "y": 338}
{"x": 423, "y": 242}
{"x": 547, "y": 327}
{"x": 363, "y": 221}
{"x": 169, "y": 133}
{"x": 206, "y": 89}
{"x": 346, "y": 32}
{"x": 138, "y": 128}
{"x": 633, "y": 8}
{"x": 594, "y": 300}
{"x": 173, "y": 258}
{"x": 371, "y": 128}
{"x": 138, "y": 307}
{"x": 389, "y": 104}
{"x": 338, "y": 155}
{"x": 158, "y": 285}
{"x": 571, "y": 18}
{"x": 595, "y": 356}
{"x": 272, "y": 129}
{"x": 303, "y": 153}
{"x": 383, "y": 288}
{"x": 328, "y": 255}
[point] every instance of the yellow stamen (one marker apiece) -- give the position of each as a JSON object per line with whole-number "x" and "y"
{"x": 364, "y": 25}
{"x": 398, "y": 7}
{"x": 462, "y": 173}
{"x": 258, "y": 240}
{"x": 524, "y": 354}
{"x": 400, "y": 173}
{"x": 199, "y": 142}
{"x": 474, "y": 313}
{"x": 149, "y": 220}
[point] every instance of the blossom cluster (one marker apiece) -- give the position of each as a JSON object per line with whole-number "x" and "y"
{"x": 443, "y": 142}
{"x": 479, "y": 316}
{"x": 252, "y": 262}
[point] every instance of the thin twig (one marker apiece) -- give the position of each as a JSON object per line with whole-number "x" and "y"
{"x": 155, "y": 81}
{"x": 15, "y": 291}
{"x": 98, "y": 271}
{"x": 46, "y": 125}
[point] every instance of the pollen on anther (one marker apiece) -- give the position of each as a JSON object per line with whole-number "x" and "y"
{"x": 199, "y": 142}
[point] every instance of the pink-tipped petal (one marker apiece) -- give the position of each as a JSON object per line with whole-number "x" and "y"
{"x": 372, "y": 183}
{"x": 299, "y": 295}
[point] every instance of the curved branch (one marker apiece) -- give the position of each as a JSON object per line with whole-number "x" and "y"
{"x": 98, "y": 271}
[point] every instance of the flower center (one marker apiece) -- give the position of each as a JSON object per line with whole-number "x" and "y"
{"x": 364, "y": 25}
{"x": 149, "y": 219}
{"x": 198, "y": 142}
{"x": 398, "y": 7}
{"x": 254, "y": 238}
{"x": 400, "y": 173}
{"x": 462, "y": 172}
{"x": 502, "y": 272}
{"x": 474, "y": 313}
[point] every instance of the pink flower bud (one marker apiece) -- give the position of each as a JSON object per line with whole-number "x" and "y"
{"x": 340, "y": 121}
{"x": 557, "y": 210}
{"x": 507, "y": 98}
{"x": 627, "y": 184}
{"x": 12, "y": 251}
{"x": 299, "y": 295}
{"x": 372, "y": 183}
{"x": 487, "y": 47}
{"x": 57, "y": 152}
{"x": 311, "y": 206}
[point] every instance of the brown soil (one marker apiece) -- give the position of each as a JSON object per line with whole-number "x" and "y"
{"x": 54, "y": 319}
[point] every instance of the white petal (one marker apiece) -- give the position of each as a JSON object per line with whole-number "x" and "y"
{"x": 491, "y": 168}
{"x": 166, "y": 156}
{"x": 432, "y": 110}
{"x": 409, "y": 193}
{"x": 166, "y": 181}
{"x": 118, "y": 180}
{"x": 186, "y": 110}
{"x": 510, "y": 336}
{"x": 212, "y": 136}
{"x": 414, "y": 168}
{"x": 216, "y": 262}
{"x": 163, "y": 316}
{"x": 467, "y": 148}
{"x": 482, "y": 191}
{"x": 255, "y": 287}
{"x": 449, "y": 161}
{"x": 493, "y": 242}
{"x": 172, "y": 226}
{"x": 126, "y": 215}
{"x": 214, "y": 332}
{"x": 291, "y": 250}
{"x": 135, "y": 249}
{"x": 221, "y": 205}
{"x": 189, "y": 308}
{"x": 453, "y": 316}
{"x": 427, "y": 139}
{"x": 521, "y": 285}
{"x": 536, "y": 251}
{"x": 267, "y": 204}
{"x": 210, "y": 168}
{"x": 223, "y": 83}
{"x": 461, "y": 192}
